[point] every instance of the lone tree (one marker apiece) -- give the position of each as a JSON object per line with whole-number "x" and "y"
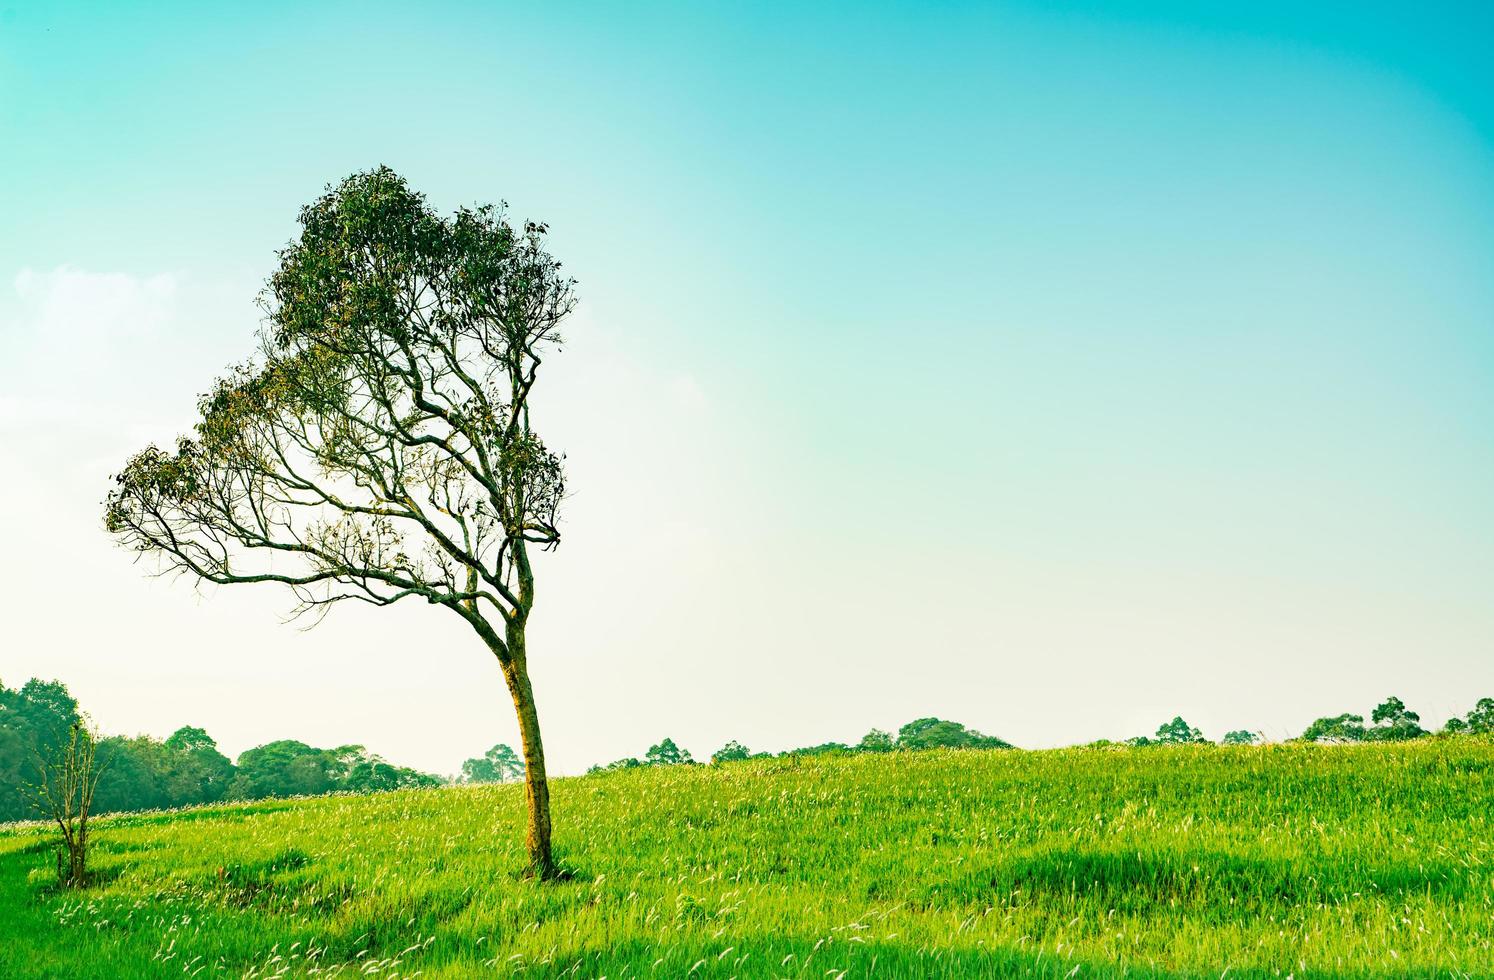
{"x": 63, "y": 793}
{"x": 380, "y": 447}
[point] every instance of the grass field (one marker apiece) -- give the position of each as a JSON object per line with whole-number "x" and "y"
{"x": 1308, "y": 861}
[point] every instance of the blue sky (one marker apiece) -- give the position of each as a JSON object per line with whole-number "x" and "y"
{"x": 1053, "y": 371}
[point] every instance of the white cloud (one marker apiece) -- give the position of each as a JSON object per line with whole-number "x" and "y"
{"x": 70, "y": 311}
{"x": 66, "y": 334}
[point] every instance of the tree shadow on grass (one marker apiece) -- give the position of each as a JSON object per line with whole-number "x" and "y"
{"x": 1140, "y": 882}
{"x": 765, "y": 956}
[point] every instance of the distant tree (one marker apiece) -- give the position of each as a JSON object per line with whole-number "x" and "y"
{"x": 137, "y": 777}
{"x": 49, "y": 702}
{"x": 936, "y": 733}
{"x": 1341, "y": 728}
{"x": 144, "y": 773}
{"x": 63, "y": 794}
{"x": 1481, "y": 719}
{"x": 1178, "y": 732}
{"x": 875, "y": 740}
{"x": 732, "y": 751}
{"x": 284, "y": 768}
{"x": 1394, "y": 722}
{"x": 291, "y": 768}
{"x": 666, "y": 753}
{"x": 1455, "y": 726}
{"x": 1139, "y": 741}
{"x": 381, "y": 448}
{"x": 35, "y": 722}
{"x": 499, "y": 764}
{"x": 1241, "y": 737}
{"x": 824, "y": 748}
{"x": 1392, "y": 711}
{"x": 189, "y": 738}
{"x": 360, "y": 771}
{"x": 196, "y": 772}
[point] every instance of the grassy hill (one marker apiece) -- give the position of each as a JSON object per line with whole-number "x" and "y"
{"x": 1311, "y": 861}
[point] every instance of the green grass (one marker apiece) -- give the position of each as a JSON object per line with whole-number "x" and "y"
{"x": 1353, "y": 861}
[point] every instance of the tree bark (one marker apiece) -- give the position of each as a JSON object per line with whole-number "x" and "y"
{"x": 536, "y": 785}
{"x": 78, "y": 874}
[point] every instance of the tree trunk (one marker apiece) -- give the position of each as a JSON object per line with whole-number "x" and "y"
{"x": 78, "y": 875}
{"x": 72, "y": 858}
{"x": 536, "y": 786}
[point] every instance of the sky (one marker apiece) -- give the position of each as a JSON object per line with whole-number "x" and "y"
{"x": 1053, "y": 371}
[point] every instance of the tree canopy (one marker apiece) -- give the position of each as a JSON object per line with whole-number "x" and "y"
{"x": 1338, "y": 728}
{"x": 1178, "y": 732}
{"x": 35, "y": 722}
{"x": 936, "y": 733}
{"x": 184, "y": 769}
{"x": 1394, "y": 722}
{"x": 1480, "y": 720}
{"x": 379, "y": 447}
{"x": 500, "y": 764}
{"x": 1391, "y": 721}
{"x": 919, "y": 735}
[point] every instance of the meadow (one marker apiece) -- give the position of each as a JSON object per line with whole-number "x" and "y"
{"x": 1253, "y": 861}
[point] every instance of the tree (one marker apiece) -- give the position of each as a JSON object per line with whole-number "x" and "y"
{"x": 35, "y": 721}
{"x": 1481, "y": 719}
{"x": 196, "y": 772}
{"x": 360, "y": 771}
{"x": 137, "y": 776}
{"x": 1341, "y": 728}
{"x": 1178, "y": 732}
{"x": 144, "y": 773}
{"x": 51, "y": 701}
{"x": 284, "y": 768}
{"x": 875, "y": 740}
{"x": 1241, "y": 737}
{"x": 732, "y": 751}
{"x": 936, "y": 733}
{"x": 498, "y": 765}
{"x": 666, "y": 753}
{"x": 63, "y": 793}
{"x": 824, "y": 748}
{"x": 1394, "y": 722}
{"x": 381, "y": 446}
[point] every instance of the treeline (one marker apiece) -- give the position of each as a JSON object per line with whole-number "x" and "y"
{"x": 1391, "y": 721}
{"x": 925, "y": 733}
{"x": 144, "y": 773}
